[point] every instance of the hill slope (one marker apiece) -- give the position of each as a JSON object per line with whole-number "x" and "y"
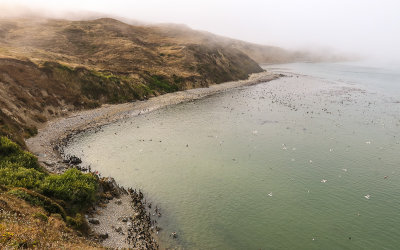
{"x": 108, "y": 44}
{"x": 49, "y": 67}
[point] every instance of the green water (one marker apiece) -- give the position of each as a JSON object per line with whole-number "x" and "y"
{"x": 212, "y": 164}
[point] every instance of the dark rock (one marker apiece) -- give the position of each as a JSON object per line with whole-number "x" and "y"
{"x": 110, "y": 186}
{"x": 94, "y": 221}
{"x": 118, "y": 229}
{"x": 103, "y": 236}
{"x": 108, "y": 196}
{"x": 74, "y": 160}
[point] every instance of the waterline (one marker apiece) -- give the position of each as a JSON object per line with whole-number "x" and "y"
{"x": 212, "y": 163}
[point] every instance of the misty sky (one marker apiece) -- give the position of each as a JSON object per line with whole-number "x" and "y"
{"x": 369, "y": 27}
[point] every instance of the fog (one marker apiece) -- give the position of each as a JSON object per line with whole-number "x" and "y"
{"x": 366, "y": 27}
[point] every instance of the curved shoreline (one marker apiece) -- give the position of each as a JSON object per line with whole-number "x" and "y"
{"x": 45, "y": 144}
{"x": 49, "y": 142}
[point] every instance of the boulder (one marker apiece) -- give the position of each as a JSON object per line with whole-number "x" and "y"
{"x": 94, "y": 221}
{"x": 103, "y": 236}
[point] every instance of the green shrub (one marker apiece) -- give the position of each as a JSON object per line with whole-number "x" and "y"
{"x": 11, "y": 152}
{"x": 78, "y": 222}
{"x": 7, "y": 147}
{"x": 158, "y": 82}
{"x": 37, "y": 199}
{"x": 72, "y": 186}
{"x": 57, "y": 216}
{"x": 41, "y": 217}
{"x": 22, "y": 176}
{"x": 14, "y": 176}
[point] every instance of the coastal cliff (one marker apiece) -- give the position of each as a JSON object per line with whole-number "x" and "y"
{"x": 51, "y": 68}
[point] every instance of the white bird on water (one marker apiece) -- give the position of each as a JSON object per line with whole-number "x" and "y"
{"x": 367, "y": 196}
{"x": 270, "y": 194}
{"x": 324, "y": 180}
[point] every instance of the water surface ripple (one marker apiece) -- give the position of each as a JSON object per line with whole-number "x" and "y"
{"x": 286, "y": 164}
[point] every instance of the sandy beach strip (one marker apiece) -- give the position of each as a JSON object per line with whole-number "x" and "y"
{"x": 45, "y": 144}
{"x": 49, "y": 141}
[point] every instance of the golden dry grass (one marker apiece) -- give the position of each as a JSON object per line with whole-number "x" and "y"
{"x": 50, "y": 67}
{"x": 26, "y": 226}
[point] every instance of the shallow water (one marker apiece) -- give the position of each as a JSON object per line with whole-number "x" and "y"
{"x": 243, "y": 169}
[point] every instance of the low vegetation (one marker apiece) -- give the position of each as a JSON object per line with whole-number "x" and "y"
{"x": 23, "y": 225}
{"x": 73, "y": 187}
{"x": 51, "y": 67}
{"x": 159, "y": 83}
{"x": 45, "y": 198}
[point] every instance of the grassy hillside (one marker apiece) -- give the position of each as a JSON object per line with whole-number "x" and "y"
{"x": 50, "y": 67}
{"x": 108, "y": 44}
{"x": 37, "y": 207}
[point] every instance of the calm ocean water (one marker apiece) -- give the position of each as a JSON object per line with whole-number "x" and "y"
{"x": 310, "y": 161}
{"x": 382, "y": 77}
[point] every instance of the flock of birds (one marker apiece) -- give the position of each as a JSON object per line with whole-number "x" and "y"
{"x": 346, "y": 97}
{"x": 284, "y": 147}
{"x": 299, "y": 101}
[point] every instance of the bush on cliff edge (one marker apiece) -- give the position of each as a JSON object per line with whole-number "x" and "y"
{"x": 20, "y": 169}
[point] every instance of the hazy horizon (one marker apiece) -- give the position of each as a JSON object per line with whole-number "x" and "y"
{"x": 367, "y": 28}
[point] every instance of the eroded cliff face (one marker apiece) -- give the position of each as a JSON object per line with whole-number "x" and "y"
{"x": 50, "y": 67}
